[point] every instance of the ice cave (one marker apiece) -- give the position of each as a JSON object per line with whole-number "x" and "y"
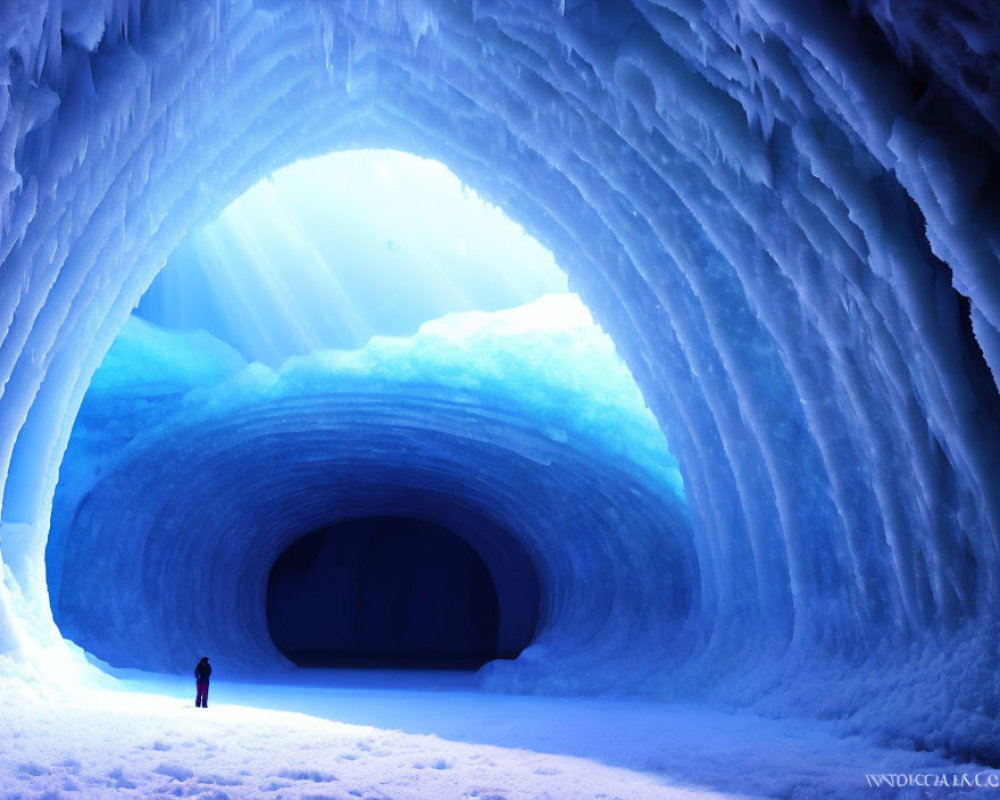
{"x": 515, "y": 398}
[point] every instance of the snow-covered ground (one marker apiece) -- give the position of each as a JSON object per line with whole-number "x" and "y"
{"x": 348, "y": 735}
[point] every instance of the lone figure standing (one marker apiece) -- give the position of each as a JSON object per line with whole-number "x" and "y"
{"x": 201, "y": 675}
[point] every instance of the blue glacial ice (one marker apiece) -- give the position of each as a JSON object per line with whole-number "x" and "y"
{"x": 521, "y": 430}
{"x": 784, "y": 214}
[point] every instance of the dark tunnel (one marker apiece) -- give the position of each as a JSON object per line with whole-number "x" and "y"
{"x": 393, "y": 592}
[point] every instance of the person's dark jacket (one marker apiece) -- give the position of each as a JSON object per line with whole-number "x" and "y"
{"x": 203, "y": 671}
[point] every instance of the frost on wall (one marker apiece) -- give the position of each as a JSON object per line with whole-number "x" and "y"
{"x": 784, "y": 213}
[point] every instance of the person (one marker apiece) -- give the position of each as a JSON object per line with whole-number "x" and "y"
{"x": 201, "y": 675}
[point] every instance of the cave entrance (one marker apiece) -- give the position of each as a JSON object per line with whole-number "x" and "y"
{"x": 386, "y": 593}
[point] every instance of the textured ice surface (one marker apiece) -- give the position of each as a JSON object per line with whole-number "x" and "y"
{"x": 521, "y": 430}
{"x": 784, "y": 213}
{"x": 432, "y": 737}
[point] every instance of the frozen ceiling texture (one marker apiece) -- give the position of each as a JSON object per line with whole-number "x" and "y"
{"x": 785, "y": 213}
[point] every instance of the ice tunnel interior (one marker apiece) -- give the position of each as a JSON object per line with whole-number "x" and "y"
{"x": 784, "y": 214}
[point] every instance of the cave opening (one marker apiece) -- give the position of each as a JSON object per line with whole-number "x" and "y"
{"x": 393, "y": 592}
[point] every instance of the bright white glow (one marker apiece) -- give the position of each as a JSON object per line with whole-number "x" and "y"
{"x": 330, "y": 251}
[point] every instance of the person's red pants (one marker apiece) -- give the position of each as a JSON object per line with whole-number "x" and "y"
{"x": 201, "y": 698}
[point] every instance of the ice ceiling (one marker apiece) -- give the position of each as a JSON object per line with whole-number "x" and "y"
{"x": 784, "y": 213}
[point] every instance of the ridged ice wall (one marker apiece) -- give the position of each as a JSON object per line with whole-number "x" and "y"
{"x": 186, "y": 528}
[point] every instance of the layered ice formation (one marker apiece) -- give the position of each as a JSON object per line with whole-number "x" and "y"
{"x": 785, "y": 214}
{"x": 190, "y": 472}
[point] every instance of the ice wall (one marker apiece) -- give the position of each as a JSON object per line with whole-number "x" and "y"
{"x": 189, "y": 472}
{"x": 784, "y": 212}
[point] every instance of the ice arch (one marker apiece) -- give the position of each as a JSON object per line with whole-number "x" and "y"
{"x": 137, "y": 590}
{"x": 191, "y": 471}
{"x": 784, "y": 212}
